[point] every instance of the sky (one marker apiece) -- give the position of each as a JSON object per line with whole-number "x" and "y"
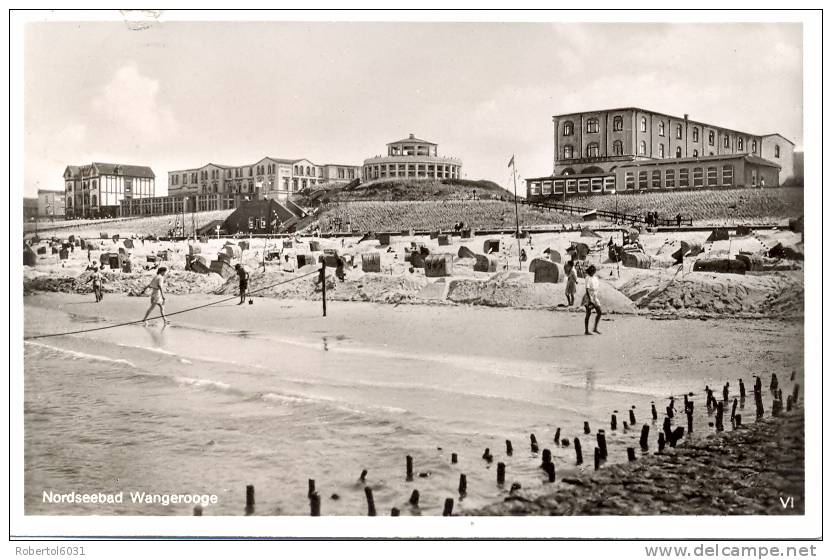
{"x": 177, "y": 95}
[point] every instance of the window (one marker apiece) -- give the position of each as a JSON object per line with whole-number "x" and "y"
{"x": 643, "y": 124}
{"x": 710, "y": 137}
{"x": 695, "y": 134}
{"x": 251, "y": 222}
{"x": 739, "y": 144}
{"x": 670, "y": 179}
{"x": 617, "y": 123}
{"x": 642, "y": 148}
{"x": 642, "y": 179}
{"x": 712, "y": 177}
{"x": 547, "y": 187}
{"x": 661, "y": 151}
{"x": 661, "y": 128}
{"x": 568, "y": 128}
{"x": 617, "y": 148}
{"x": 592, "y": 125}
{"x": 535, "y": 188}
{"x": 583, "y": 185}
{"x": 776, "y": 151}
{"x": 596, "y": 184}
{"x": 609, "y": 184}
{"x": 678, "y": 132}
{"x": 727, "y": 142}
{"x": 656, "y": 180}
{"x": 592, "y": 150}
{"x": 678, "y": 151}
{"x": 727, "y": 175}
{"x": 684, "y": 177}
{"x": 571, "y": 185}
{"x": 567, "y": 152}
{"x": 262, "y": 223}
{"x": 697, "y": 177}
{"x": 630, "y": 181}
{"x": 559, "y": 184}
{"x": 695, "y": 153}
{"x": 754, "y": 146}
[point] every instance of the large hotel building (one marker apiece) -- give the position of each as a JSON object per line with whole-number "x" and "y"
{"x": 221, "y": 187}
{"x": 632, "y": 149}
{"x": 98, "y": 190}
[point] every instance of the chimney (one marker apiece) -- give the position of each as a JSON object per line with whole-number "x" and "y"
{"x": 412, "y": 136}
{"x": 686, "y": 116}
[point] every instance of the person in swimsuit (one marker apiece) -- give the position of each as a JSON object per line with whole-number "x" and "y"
{"x": 96, "y": 280}
{"x": 591, "y": 300}
{"x": 157, "y": 294}
{"x": 242, "y": 274}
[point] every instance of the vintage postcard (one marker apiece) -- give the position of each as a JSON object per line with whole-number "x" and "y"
{"x": 287, "y": 272}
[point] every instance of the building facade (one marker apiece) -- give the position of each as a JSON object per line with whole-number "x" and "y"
{"x": 98, "y": 189}
{"x": 614, "y": 144}
{"x": 267, "y": 178}
{"x": 411, "y": 158}
{"x": 51, "y": 204}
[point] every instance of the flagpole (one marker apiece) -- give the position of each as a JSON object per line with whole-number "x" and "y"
{"x": 516, "y": 212}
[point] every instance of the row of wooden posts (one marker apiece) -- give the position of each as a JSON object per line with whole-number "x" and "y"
{"x": 667, "y": 436}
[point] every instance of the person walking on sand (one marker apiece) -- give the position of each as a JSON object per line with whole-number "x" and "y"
{"x": 157, "y": 294}
{"x": 96, "y": 280}
{"x": 571, "y": 283}
{"x": 242, "y": 273}
{"x": 591, "y": 300}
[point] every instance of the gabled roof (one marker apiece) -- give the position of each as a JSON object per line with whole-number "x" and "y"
{"x": 781, "y": 136}
{"x": 760, "y": 161}
{"x": 74, "y": 170}
{"x": 128, "y": 170}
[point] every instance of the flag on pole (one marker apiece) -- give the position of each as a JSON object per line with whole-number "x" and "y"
{"x": 511, "y": 161}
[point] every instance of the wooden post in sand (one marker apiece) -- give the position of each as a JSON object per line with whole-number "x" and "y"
{"x": 587, "y": 431}
{"x": 533, "y": 441}
{"x": 579, "y": 456}
{"x": 414, "y": 498}
{"x": 550, "y": 471}
{"x": 394, "y": 512}
{"x": 249, "y": 499}
{"x": 557, "y": 437}
{"x": 311, "y": 487}
{"x": 454, "y": 459}
{"x": 509, "y": 449}
{"x": 363, "y": 476}
{"x": 661, "y": 442}
{"x": 315, "y": 505}
{"x": 463, "y": 485}
{"x": 738, "y": 421}
{"x": 742, "y": 389}
{"x": 409, "y": 468}
{"x": 449, "y": 507}
{"x": 371, "y": 504}
{"x": 653, "y": 411}
{"x": 501, "y": 473}
{"x": 631, "y": 454}
{"x": 547, "y": 458}
{"x": 323, "y": 285}
{"x": 613, "y": 422}
{"x": 645, "y": 433}
{"x": 597, "y": 458}
{"x": 632, "y": 417}
{"x": 689, "y": 414}
{"x": 601, "y": 437}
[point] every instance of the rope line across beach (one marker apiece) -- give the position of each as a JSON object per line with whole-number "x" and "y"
{"x": 33, "y": 337}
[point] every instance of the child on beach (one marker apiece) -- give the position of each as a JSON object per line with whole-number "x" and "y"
{"x": 571, "y": 283}
{"x": 591, "y": 300}
{"x": 96, "y": 280}
{"x": 157, "y": 294}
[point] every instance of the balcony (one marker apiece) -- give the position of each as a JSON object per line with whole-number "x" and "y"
{"x": 596, "y": 159}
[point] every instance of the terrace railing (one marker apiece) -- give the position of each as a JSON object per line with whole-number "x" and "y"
{"x": 617, "y": 217}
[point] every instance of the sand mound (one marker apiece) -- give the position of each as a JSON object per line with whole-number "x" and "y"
{"x": 499, "y": 292}
{"x": 706, "y": 293}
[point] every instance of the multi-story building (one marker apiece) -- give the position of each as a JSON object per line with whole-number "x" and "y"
{"x": 98, "y": 189}
{"x": 411, "y": 158}
{"x": 51, "y": 203}
{"x": 595, "y": 150}
{"x": 268, "y": 178}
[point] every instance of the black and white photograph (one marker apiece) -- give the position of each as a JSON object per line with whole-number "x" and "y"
{"x": 547, "y": 275}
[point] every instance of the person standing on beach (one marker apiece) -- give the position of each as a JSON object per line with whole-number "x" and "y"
{"x": 157, "y": 294}
{"x": 96, "y": 280}
{"x": 591, "y": 300}
{"x": 242, "y": 273}
{"x": 571, "y": 283}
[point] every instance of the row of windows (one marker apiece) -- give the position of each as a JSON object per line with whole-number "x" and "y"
{"x": 618, "y": 124}
{"x": 701, "y": 177}
{"x": 593, "y": 150}
{"x": 557, "y": 186}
